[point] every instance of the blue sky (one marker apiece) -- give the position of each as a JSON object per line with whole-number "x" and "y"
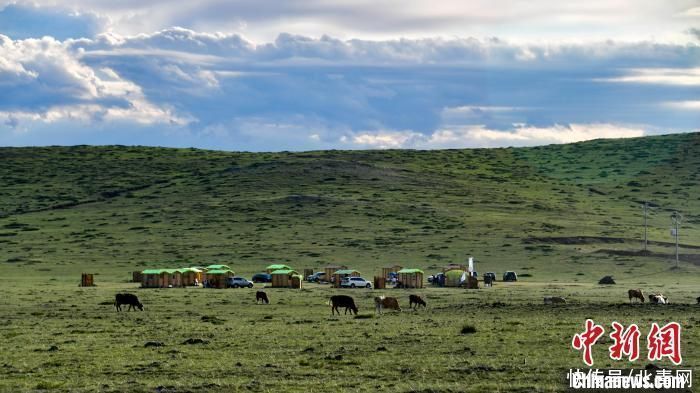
{"x": 339, "y": 74}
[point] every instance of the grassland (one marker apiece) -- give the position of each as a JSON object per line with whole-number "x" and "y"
{"x": 562, "y": 216}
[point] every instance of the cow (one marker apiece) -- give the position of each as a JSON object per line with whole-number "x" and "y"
{"x": 698, "y": 299}
{"x": 127, "y": 298}
{"x": 554, "y": 300}
{"x": 488, "y": 281}
{"x": 636, "y": 294}
{"x": 657, "y": 298}
{"x": 261, "y": 296}
{"x": 337, "y": 301}
{"x": 416, "y": 300}
{"x": 382, "y": 302}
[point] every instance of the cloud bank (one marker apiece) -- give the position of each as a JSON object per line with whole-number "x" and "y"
{"x": 181, "y": 87}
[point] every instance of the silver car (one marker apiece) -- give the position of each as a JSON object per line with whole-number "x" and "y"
{"x": 355, "y": 282}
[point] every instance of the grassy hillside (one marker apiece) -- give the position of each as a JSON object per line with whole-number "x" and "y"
{"x": 115, "y": 209}
{"x": 561, "y": 216}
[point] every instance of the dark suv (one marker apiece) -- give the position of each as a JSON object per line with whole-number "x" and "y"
{"x": 261, "y": 277}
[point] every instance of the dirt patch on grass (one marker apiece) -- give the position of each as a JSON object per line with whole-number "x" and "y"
{"x": 691, "y": 258}
{"x": 570, "y": 240}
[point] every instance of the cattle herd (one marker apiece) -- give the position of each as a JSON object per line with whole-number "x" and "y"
{"x": 386, "y": 302}
{"x": 654, "y": 298}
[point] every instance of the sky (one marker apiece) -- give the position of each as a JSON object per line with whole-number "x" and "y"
{"x": 295, "y": 75}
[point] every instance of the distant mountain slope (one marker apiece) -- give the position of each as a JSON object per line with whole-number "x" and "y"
{"x": 141, "y": 206}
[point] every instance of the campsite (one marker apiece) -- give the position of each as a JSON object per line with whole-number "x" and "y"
{"x": 562, "y": 217}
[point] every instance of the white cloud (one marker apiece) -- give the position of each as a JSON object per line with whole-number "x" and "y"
{"x": 662, "y": 76}
{"x": 45, "y": 82}
{"x": 684, "y": 105}
{"x": 480, "y": 136}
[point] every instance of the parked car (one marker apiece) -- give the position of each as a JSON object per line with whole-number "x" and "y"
{"x": 355, "y": 282}
{"x": 510, "y": 276}
{"x": 316, "y": 277}
{"x": 238, "y": 282}
{"x": 490, "y": 274}
{"x": 261, "y": 277}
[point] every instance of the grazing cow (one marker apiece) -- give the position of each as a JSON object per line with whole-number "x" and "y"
{"x": 342, "y": 301}
{"x": 554, "y": 300}
{"x": 417, "y": 300}
{"x": 261, "y": 296}
{"x": 386, "y": 302}
{"x": 127, "y": 298}
{"x": 636, "y": 294}
{"x": 657, "y": 298}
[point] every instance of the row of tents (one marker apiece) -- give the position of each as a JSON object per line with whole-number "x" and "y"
{"x": 212, "y": 276}
{"x": 283, "y": 276}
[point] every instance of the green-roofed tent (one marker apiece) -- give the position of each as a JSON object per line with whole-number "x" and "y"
{"x": 216, "y": 278}
{"x": 191, "y": 276}
{"x": 274, "y": 267}
{"x": 410, "y": 278}
{"x": 453, "y": 277}
{"x": 161, "y": 278}
{"x": 286, "y": 278}
{"x": 338, "y": 276}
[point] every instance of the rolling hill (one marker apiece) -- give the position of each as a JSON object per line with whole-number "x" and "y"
{"x": 560, "y": 212}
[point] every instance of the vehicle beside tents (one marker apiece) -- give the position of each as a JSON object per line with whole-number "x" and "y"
{"x": 338, "y": 276}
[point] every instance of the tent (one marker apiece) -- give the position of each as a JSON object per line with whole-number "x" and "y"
{"x": 410, "y": 278}
{"x": 286, "y": 278}
{"x": 453, "y": 277}
{"x": 189, "y": 275}
{"x": 216, "y": 278}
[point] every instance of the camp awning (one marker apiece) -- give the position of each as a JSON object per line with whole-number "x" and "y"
{"x": 188, "y": 270}
{"x": 278, "y": 267}
{"x": 348, "y": 271}
{"x": 152, "y": 271}
{"x": 218, "y": 267}
{"x": 219, "y": 271}
{"x": 410, "y": 271}
{"x": 285, "y": 271}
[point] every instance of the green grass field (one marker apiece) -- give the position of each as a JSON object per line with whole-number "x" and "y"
{"x": 561, "y": 216}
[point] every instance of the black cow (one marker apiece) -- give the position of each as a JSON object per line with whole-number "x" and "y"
{"x": 127, "y": 298}
{"x": 417, "y": 300}
{"x": 261, "y": 296}
{"x": 698, "y": 299}
{"x": 342, "y": 301}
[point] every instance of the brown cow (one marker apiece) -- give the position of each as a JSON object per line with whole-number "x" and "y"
{"x": 386, "y": 302}
{"x": 636, "y": 294}
{"x": 262, "y": 297}
{"x": 415, "y": 300}
{"x": 342, "y": 301}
